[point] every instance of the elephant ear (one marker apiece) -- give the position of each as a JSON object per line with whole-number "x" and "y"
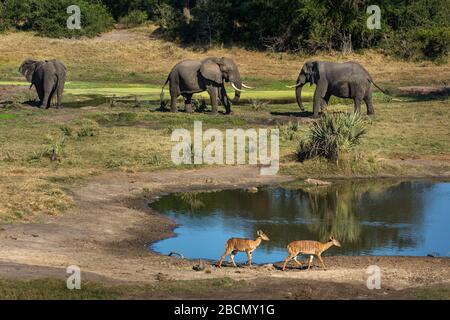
{"x": 315, "y": 75}
{"x": 211, "y": 71}
{"x": 27, "y": 69}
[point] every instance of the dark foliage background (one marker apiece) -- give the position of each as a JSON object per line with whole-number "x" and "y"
{"x": 411, "y": 29}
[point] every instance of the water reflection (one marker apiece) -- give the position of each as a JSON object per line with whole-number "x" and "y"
{"x": 367, "y": 217}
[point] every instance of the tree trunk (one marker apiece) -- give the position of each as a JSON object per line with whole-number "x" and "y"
{"x": 187, "y": 11}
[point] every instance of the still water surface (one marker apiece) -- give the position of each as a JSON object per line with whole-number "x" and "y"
{"x": 368, "y": 218}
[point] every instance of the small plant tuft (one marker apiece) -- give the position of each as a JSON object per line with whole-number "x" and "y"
{"x": 330, "y": 136}
{"x": 258, "y": 105}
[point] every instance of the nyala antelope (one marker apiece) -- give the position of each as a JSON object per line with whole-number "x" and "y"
{"x": 235, "y": 245}
{"x": 313, "y": 248}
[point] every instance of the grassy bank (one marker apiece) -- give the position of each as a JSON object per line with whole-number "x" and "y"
{"x": 110, "y": 122}
{"x": 140, "y": 56}
{"x": 126, "y": 137}
{"x": 52, "y": 289}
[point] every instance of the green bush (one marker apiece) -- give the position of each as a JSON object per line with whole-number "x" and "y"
{"x": 410, "y": 29}
{"x": 435, "y": 43}
{"x": 4, "y": 23}
{"x": 422, "y": 44}
{"x": 49, "y": 17}
{"x": 330, "y": 136}
{"x": 120, "y": 7}
{"x": 134, "y": 18}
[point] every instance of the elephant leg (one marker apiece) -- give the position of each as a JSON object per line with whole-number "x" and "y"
{"x": 213, "y": 96}
{"x": 45, "y": 102}
{"x": 368, "y": 102}
{"x": 225, "y": 100}
{"x": 173, "y": 100}
{"x": 357, "y": 105}
{"x": 318, "y": 97}
{"x": 59, "y": 92}
{"x": 188, "y": 102}
{"x": 52, "y": 97}
{"x": 40, "y": 93}
{"x": 325, "y": 101}
{"x": 49, "y": 88}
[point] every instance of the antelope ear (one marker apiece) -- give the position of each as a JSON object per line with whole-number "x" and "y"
{"x": 211, "y": 71}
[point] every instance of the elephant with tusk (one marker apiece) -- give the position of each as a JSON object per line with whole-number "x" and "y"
{"x": 343, "y": 80}
{"x": 48, "y": 77}
{"x": 210, "y": 74}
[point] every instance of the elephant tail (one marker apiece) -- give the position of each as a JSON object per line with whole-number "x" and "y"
{"x": 371, "y": 81}
{"x": 161, "y": 96}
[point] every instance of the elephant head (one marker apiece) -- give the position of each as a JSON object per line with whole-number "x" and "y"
{"x": 27, "y": 69}
{"x": 223, "y": 69}
{"x": 308, "y": 74}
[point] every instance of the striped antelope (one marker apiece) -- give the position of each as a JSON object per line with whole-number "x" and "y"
{"x": 313, "y": 248}
{"x": 234, "y": 245}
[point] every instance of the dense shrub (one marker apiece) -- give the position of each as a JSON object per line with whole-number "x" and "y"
{"x": 49, "y": 17}
{"x": 133, "y": 19}
{"x": 410, "y": 29}
{"x": 120, "y": 8}
{"x": 435, "y": 43}
{"x": 331, "y": 135}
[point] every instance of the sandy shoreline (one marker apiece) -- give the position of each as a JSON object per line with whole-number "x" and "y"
{"x": 108, "y": 231}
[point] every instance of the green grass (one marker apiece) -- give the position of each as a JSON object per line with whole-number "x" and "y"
{"x": 152, "y": 91}
{"x": 52, "y": 289}
{"x": 438, "y": 293}
{"x": 7, "y": 116}
{"x": 110, "y": 124}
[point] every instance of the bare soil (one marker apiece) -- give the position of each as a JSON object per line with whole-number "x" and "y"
{"x": 107, "y": 234}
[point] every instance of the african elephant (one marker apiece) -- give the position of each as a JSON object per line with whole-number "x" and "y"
{"x": 210, "y": 74}
{"x": 48, "y": 77}
{"x": 343, "y": 80}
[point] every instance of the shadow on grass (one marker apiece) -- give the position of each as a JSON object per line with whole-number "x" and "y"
{"x": 418, "y": 94}
{"x": 92, "y": 101}
{"x": 302, "y": 114}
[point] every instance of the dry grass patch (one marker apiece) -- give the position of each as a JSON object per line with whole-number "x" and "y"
{"x": 136, "y": 55}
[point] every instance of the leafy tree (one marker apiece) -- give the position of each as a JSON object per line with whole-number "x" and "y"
{"x": 49, "y": 17}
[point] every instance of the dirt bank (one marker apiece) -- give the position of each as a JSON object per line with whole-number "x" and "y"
{"x": 106, "y": 235}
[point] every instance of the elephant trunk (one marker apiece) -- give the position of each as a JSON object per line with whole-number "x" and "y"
{"x": 298, "y": 92}
{"x": 237, "y": 94}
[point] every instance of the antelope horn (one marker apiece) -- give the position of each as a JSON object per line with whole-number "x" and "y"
{"x": 246, "y": 86}
{"x": 294, "y": 86}
{"x": 235, "y": 88}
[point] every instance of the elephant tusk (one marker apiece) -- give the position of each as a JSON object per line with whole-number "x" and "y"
{"x": 246, "y": 86}
{"x": 235, "y": 88}
{"x": 294, "y": 86}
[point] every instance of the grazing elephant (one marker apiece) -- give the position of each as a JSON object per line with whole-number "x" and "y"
{"x": 210, "y": 74}
{"x": 343, "y": 80}
{"x": 48, "y": 77}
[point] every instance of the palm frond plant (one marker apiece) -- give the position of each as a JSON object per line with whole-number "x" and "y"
{"x": 330, "y": 136}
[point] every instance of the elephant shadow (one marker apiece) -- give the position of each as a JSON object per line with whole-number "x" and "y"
{"x": 200, "y": 110}
{"x": 32, "y": 103}
{"x": 423, "y": 93}
{"x": 302, "y": 114}
{"x": 93, "y": 100}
